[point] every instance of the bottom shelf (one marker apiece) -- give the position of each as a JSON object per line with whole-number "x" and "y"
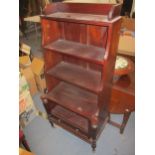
{"x": 75, "y": 99}
{"x": 74, "y": 123}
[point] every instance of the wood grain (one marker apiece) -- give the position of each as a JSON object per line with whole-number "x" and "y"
{"x": 84, "y": 78}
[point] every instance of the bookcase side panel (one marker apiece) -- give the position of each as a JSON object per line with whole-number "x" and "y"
{"x": 51, "y": 31}
{"x": 108, "y": 67}
{"x": 51, "y": 59}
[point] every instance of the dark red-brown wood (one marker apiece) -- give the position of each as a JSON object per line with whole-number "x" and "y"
{"x": 77, "y": 50}
{"x": 74, "y": 99}
{"x": 110, "y": 10}
{"x": 80, "y": 43}
{"x": 70, "y": 118}
{"x": 74, "y": 74}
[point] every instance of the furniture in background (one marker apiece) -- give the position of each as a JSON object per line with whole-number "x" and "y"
{"x": 123, "y": 95}
{"x": 35, "y": 20}
{"x": 123, "y": 92}
{"x": 80, "y": 43}
{"x": 29, "y": 11}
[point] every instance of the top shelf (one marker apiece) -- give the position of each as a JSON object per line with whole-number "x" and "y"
{"x": 79, "y": 18}
{"x": 87, "y": 13}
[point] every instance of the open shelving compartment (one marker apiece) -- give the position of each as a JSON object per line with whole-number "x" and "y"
{"x": 77, "y": 63}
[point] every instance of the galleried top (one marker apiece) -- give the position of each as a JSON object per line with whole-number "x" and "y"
{"x": 83, "y": 12}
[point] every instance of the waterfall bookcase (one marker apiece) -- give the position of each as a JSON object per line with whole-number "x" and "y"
{"x": 80, "y": 42}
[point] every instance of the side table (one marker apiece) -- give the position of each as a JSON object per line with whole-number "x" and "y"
{"x": 35, "y": 20}
{"x": 123, "y": 99}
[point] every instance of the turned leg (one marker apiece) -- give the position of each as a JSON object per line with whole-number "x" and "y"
{"x": 45, "y": 101}
{"x": 125, "y": 120}
{"x": 52, "y": 124}
{"x": 50, "y": 120}
{"x": 94, "y": 145}
{"x": 92, "y": 131}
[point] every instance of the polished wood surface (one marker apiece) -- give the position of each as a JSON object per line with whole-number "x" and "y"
{"x": 99, "y": 9}
{"x": 79, "y": 55}
{"x": 77, "y": 50}
{"x": 78, "y": 76}
{"x": 75, "y": 99}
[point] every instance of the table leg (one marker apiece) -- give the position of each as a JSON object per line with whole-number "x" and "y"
{"x": 125, "y": 120}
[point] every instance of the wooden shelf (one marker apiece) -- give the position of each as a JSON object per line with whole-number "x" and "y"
{"x": 78, "y": 50}
{"x": 77, "y": 75}
{"x": 78, "y": 17}
{"x": 75, "y": 99}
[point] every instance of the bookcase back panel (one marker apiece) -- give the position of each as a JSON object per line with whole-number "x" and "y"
{"x": 90, "y": 8}
{"x": 86, "y": 34}
{"x": 97, "y": 35}
{"x": 52, "y": 59}
{"x": 82, "y": 63}
{"x": 75, "y": 32}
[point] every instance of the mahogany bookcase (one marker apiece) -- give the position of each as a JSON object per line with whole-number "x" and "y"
{"x": 80, "y": 42}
